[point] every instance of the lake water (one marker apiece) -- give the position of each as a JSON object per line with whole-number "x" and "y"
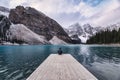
{"x": 18, "y": 62}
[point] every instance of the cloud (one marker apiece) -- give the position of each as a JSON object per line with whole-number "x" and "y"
{"x": 67, "y": 12}
{"x": 4, "y": 3}
{"x": 108, "y": 18}
{"x": 14, "y": 3}
{"x": 108, "y": 14}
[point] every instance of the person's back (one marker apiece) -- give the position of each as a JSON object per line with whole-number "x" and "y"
{"x": 60, "y": 51}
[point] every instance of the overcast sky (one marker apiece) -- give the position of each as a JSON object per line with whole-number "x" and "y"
{"x": 67, "y": 12}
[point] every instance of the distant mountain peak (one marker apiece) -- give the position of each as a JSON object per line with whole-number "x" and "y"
{"x": 38, "y": 23}
{"x": 86, "y": 31}
{"x": 87, "y": 24}
{"x": 30, "y": 26}
{"x": 83, "y": 32}
{"x": 4, "y": 9}
{"x": 76, "y": 24}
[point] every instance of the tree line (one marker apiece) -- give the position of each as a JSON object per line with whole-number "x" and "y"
{"x": 105, "y": 37}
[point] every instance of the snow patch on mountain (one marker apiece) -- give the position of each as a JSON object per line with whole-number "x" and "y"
{"x": 86, "y": 31}
{"x": 4, "y": 11}
{"x": 83, "y": 32}
{"x": 56, "y": 41}
{"x": 112, "y": 27}
{"x": 21, "y": 32}
{"x": 36, "y": 28}
{"x": 83, "y": 39}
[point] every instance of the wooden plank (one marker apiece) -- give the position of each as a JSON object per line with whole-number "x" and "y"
{"x": 61, "y": 67}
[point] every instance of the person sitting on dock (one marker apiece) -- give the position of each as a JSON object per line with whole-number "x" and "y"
{"x": 60, "y": 51}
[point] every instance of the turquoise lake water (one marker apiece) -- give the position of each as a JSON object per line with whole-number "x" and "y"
{"x": 18, "y": 62}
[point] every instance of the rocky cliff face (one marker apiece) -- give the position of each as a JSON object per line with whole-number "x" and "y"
{"x": 75, "y": 29}
{"x": 88, "y": 29}
{"x": 83, "y": 32}
{"x": 38, "y": 23}
{"x": 4, "y": 11}
{"x": 4, "y": 27}
{"x": 18, "y": 33}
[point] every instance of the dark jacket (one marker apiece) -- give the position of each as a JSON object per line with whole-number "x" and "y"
{"x": 60, "y": 52}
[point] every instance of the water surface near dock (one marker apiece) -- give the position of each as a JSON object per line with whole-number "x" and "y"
{"x": 18, "y": 62}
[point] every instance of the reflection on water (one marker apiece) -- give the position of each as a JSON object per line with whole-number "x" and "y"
{"x": 96, "y": 60}
{"x": 18, "y": 62}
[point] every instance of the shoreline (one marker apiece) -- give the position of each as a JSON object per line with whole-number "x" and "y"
{"x": 16, "y": 44}
{"x": 105, "y": 44}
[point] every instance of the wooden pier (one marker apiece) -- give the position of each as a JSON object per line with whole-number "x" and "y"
{"x": 61, "y": 67}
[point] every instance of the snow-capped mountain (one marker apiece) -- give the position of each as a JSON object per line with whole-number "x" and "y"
{"x": 112, "y": 27}
{"x": 75, "y": 29}
{"x": 86, "y": 31}
{"x": 28, "y": 21}
{"x": 83, "y": 32}
{"x": 4, "y": 11}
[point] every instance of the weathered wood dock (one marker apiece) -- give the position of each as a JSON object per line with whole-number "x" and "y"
{"x": 61, "y": 67}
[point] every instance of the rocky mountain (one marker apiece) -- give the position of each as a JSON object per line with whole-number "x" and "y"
{"x": 27, "y": 25}
{"x": 38, "y": 23}
{"x": 112, "y": 27}
{"x": 83, "y": 32}
{"x": 18, "y": 33}
{"x": 4, "y": 26}
{"x": 55, "y": 40}
{"x": 4, "y": 11}
{"x": 75, "y": 29}
{"x": 75, "y": 39}
{"x": 86, "y": 31}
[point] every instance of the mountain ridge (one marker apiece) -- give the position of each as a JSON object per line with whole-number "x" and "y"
{"x": 38, "y": 23}
{"x": 86, "y": 31}
{"x": 35, "y": 23}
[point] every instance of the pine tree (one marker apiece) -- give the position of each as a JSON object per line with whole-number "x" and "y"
{"x": 105, "y": 37}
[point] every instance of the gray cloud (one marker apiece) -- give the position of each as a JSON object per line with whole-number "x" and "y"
{"x": 4, "y": 3}
{"x": 67, "y": 12}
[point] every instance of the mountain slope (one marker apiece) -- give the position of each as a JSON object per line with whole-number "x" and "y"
{"x": 38, "y": 23}
{"x": 55, "y": 40}
{"x": 112, "y": 27}
{"x": 21, "y": 34}
{"x": 4, "y": 11}
{"x": 83, "y": 32}
{"x": 18, "y": 33}
{"x": 4, "y": 26}
{"x": 86, "y": 31}
{"x": 29, "y": 26}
